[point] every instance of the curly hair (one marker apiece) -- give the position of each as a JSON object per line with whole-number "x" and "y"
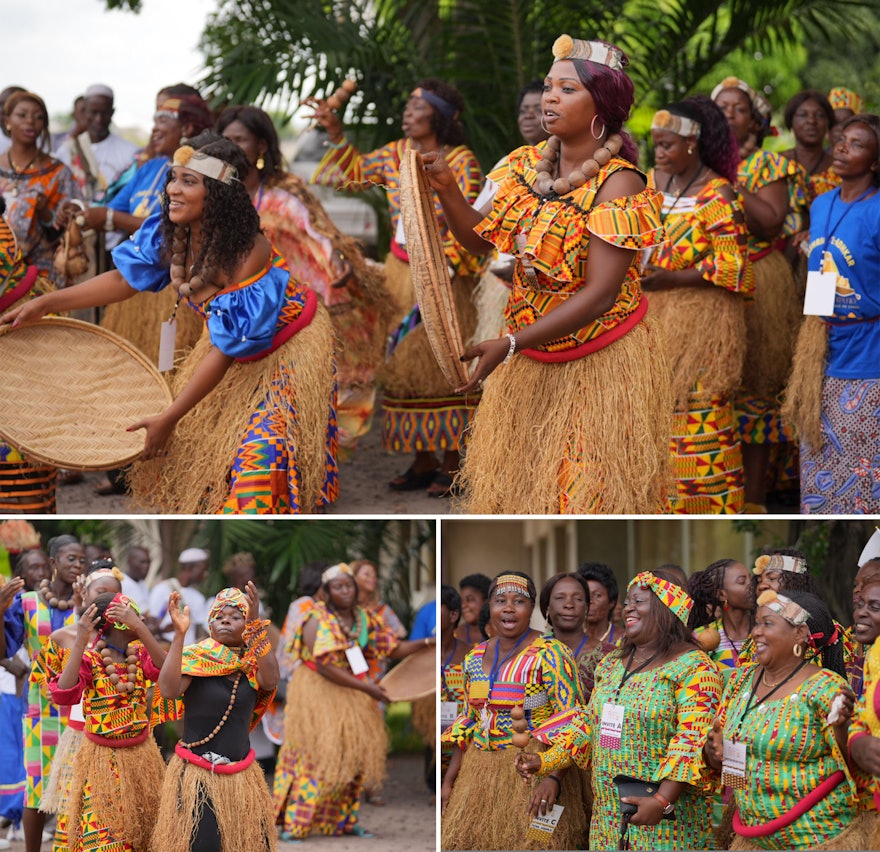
{"x": 480, "y": 582}
{"x": 547, "y": 590}
{"x": 612, "y": 92}
{"x": 798, "y": 100}
{"x": 705, "y": 588}
{"x": 44, "y": 140}
{"x": 230, "y": 223}
{"x": 716, "y": 144}
{"x": 602, "y": 574}
{"x": 822, "y": 631}
{"x": 448, "y": 129}
{"x": 451, "y": 599}
{"x": 259, "y": 123}
{"x": 872, "y": 122}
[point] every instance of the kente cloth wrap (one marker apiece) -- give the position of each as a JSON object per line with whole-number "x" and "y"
{"x": 211, "y": 659}
{"x": 866, "y": 722}
{"x": 21, "y": 190}
{"x": 229, "y": 597}
{"x": 541, "y": 677}
{"x": 758, "y": 170}
{"x": 587, "y": 660}
{"x": 346, "y": 167}
{"x": 557, "y": 233}
{"x": 451, "y": 689}
{"x": 668, "y": 715}
{"x": 707, "y": 232}
{"x": 803, "y": 190}
{"x": 842, "y": 98}
{"x": 790, "y": 750}
{"x": 673, "y": 597}
{"x": 727, "y": 655}
{"x": 431, "y": 424}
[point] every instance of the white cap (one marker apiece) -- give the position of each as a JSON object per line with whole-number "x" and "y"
{"x": 193, "y": 554}
{"x": 99, "y": 90}
{"x": 872, "y": 548}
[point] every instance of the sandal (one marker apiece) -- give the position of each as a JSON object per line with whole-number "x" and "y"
{"x": 412, "y": 481}
{"x": 444, "y": 483}
{"x": 357, "y": 831}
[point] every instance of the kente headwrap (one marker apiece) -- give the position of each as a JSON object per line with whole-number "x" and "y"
{"x": 440, "y": 104}
{"x": 758, "y": 101}
{"x": 678, "y": 124}
{"x": 229, "y": 597}
{"x": 600, "y": 52}
{"x": 205, "y": 164}
{"x": 512, "y": 583}
{"x": 842, "y": 98}
{"x": 672, "y": 596}
{"x": 778, "y": 562}
{"x": 785, "y": 607}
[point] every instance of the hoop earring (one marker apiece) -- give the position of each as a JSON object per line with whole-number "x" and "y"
{"x": 544, "y": 126}
{"x": 798, "y": 649}
{"x": 593, "y": 128}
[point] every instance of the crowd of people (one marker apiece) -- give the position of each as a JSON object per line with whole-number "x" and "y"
{"x": 722, "y": 710}
{"x": 91, "y": 675}
{"x": 715, "y": 390}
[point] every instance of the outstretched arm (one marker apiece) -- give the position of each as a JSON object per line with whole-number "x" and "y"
{"x": 172, "y": 683}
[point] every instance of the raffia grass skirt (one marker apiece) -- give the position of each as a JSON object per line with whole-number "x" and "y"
{"x": 586, "y": 436}
{"x": 121, "y": 791}
{"x": 139, "y": 320}
{"x": 424, "y": 719}
{"x": 56, "y": 789}
{"x": 772, "y": 322}
{"x": 241, "y": 803}
{"x": 490, "y": 300}
{"x": 862, "y": 833}
{"x": 705, "y": 334}
{"x": 488, "y": 808}
{"x": 802, "y": 406}
{"x": 193, "y": 478}
{"x": 337, "y": 729}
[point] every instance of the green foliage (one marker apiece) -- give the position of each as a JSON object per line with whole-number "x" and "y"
{"x": 402, "y": 737}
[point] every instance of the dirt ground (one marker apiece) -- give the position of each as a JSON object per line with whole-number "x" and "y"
{"x": 408, "y": 822}
{"x": 363, "y": 479}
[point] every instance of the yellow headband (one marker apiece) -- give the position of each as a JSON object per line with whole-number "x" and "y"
{"x": 671, "y": 596}
{"x": 566, "y": 47}
{"x": 678, "y": 124}
{"x": 778, "y": 562}
{"x": 205, "y": 164}
{"x": 512, "y": 583}
{"x": 784, "y": 607}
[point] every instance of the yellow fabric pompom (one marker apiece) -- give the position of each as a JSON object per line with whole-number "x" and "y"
{"x": 761, "y": 564}
{"x": 563, "y": 47}
{"x": 767, "y": 597}
{"x": 182, "y": 155}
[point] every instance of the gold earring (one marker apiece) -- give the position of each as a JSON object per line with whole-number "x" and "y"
{"x": 261, "y": 163}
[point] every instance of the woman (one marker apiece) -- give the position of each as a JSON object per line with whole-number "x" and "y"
{"x": 474, "y": 590}
{"x": 28, "y": 621}
{"x": 698, "y": 280}
{"x": 33, "y": 184}
{"x": 214, "y": 796}
{"x": 483, "y": 806}
{"x": 845, "y": 103}
{"x": 866, "y": 629}
{"x": 809, "y": 116}
{"x": 723, "y": 587}
{"x": 600, "y": 623}
{"x": 773, "y": 318}
{"x": 651, "y": 709}
{"x": 421, "y": 414}
{"x": 572, "y": 296}
{"x": 778, "y": 740}
{"x": 565, "y": 600}
{"x": 118, "y": 770}
{"x": 452, "y": 653}
{"x": 319, "y": 253}
{"x": 833, "y": 396}
{"x": 265, "y": 442}
{"x": 328, "y": 758}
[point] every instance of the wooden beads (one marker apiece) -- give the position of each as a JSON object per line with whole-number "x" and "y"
{"x": 124, "y": 682}
{"x": 223, "y": 718}
{"x": 520, "y": 726}
{"x": 340, "y": 97}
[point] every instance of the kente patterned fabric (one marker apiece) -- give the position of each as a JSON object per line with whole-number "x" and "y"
{"x": 542, "y": 677}
{"x": 668, "y": 714}
{"x": 557, "y": 233}
{"x": 413, "y": 425}
{"x": 347, "y": 167}
{"x": 842, "y": 98}
{"x": 790, "y": 750}
{"x": 803, "y": 189}
{"x": 229, "y": 597}
{"x": 703, "y": 233}
{"x": 866, "y": 722}
{"x": 12, "y": 265}
{"x": 211, "y": 659}
{"x": 756, "y": 171}
{"x": 669, "y": 594}
{"x": 727, "y": 655}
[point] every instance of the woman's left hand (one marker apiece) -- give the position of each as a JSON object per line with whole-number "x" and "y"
{"x": 491, "y": 353}
{"x": 650, "y": 811}
{"x": 253, "y": 601}
{"x": 543, "y": 798}
{"x": 158, "y": 432}
{"x": 655, "y": 278}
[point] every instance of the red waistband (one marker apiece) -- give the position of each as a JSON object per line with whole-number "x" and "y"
{"x": 76, "y": 724}
{"x": 19, "y": 289}
{"x": 593, "y": 345}
{"x": 118, "y": 743}
{"x": 761, "y": 254}
{"x": 219, "y": 768}
{"x": 398, "y": 251}
{"x": 281, "y": 337}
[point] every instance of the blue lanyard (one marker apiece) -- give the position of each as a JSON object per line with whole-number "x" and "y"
{"x": 581, "y": 646}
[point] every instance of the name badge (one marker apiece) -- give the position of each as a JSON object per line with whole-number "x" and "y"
{"x": 541, "y": 827}
{"x": 448, "y": 714}
{"x": 166, "y": 345}
{"x": 356, "y": 660}
{"x": 733, "y": 766}
{"x": 820, "y": 294}
{"x": 611, "y": 725}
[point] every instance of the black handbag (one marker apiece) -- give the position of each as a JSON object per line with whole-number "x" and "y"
{"x": 633, "y": 787}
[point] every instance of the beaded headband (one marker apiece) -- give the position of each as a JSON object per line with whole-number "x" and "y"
{"x": 678, "y": 124}
{"x": 103, "y": 572}
{"x": 784, "y": 607}
{"x": 842, "y": 98}
{"x": 229, "y": 597}
{"x": 343, "y": 569}
{"x": 600, "y": 52}
{"x": 758, "y": 101}
{"x": 205, "y": 164}
{"x": 440, "y": 104}
{"x": 512, "y": 583}
{"x": 778, "y": 562}
{"x": 673, "y": 597}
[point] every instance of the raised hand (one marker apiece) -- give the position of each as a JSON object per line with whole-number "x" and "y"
{"x": 253, "y": 601}
{"x": 179, "y": 618}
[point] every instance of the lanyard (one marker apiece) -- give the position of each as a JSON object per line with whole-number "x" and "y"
{"x": 496, "y": 666}
{"x": 829, "y": 232}
{"x": 629, "y": 673}
{"x": 581, "y": 646}
{"x": 749, "y": 706}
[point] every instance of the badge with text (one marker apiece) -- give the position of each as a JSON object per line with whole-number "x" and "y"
{"x": 167, "y": 336}
{"x": 611, "y": 725}
{"x": 821, "y": 292}
{"x": 448, "y": 714}
{"x": 733, "y": 767}
{"x": 356, "y": 660}
{"x": 541, "y": 827}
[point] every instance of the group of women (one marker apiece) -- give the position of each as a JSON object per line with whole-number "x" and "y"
{"x": 732, "y": 711}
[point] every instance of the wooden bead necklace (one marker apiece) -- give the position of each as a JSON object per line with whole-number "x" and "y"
{"x": 223, "y": 718}
{"x": 124, "y": 683}
{"x": 545, "y": 183}
{"x": 53, "y": 600}
{"x": 180, "y": 248}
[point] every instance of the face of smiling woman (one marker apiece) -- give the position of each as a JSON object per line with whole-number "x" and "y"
{"x": 186, "y": 196}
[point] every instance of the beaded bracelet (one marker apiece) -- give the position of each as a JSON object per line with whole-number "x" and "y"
{"x": 511, "y": 350}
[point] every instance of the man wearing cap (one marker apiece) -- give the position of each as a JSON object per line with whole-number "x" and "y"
{"x": 193, "y": 565}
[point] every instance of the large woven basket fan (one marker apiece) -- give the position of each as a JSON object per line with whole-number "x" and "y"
{"x": 430, "y": 274}
{"x": 69, "y": 391}
{"x": 412, "y": 678}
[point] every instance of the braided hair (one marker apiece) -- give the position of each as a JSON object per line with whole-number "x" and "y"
{"x": 705, "y": 588}
{"x": 716, "y": 143}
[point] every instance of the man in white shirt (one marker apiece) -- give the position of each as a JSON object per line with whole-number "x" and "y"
{"x": 193, "y": 565}
{"x": 135, "y": 582}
